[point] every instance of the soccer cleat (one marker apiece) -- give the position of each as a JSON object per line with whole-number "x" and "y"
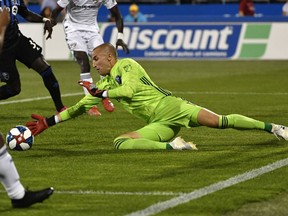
{"x": 179, "y": 144}
{"x": 94, "y": 111}
{"x": 108, "y": 105}
{"x": 280, "y": 131}
{"x": 32, "y": 197}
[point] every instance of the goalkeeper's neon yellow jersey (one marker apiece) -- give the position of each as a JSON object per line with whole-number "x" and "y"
{"x": 129, "y": 83}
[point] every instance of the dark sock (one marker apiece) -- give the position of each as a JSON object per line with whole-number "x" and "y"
{"x": 53, "y": 87}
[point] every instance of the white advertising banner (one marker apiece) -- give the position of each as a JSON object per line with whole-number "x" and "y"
{"x": 261, "y": 41}
{"x": 53, "y": 49}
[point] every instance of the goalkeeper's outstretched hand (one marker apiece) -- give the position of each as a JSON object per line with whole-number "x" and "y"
{"x": 91, "y": 88}
{"x": 37, "y": 126}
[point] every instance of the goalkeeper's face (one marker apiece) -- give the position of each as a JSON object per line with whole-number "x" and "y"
{"x": 103, "y": 61}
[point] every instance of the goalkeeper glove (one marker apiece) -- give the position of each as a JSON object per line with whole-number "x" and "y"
{"x": 40, "y": 124}
{"x": 91, "y": 88}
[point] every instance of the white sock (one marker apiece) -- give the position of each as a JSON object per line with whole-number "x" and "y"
{"x": 86, "y": 77}
{"x": 9, "y": 176}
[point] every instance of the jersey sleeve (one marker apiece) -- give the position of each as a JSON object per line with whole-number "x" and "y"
{"x": 63, "y": 3}
{"x": 127, "y": 70}
{"x": 110, "y": 3}
{"x": 84, "y": 105}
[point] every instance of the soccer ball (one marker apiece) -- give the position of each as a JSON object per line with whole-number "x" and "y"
{"x": 20, "y": 138}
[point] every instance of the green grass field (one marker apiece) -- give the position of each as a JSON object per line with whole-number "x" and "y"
{"x": 91, "y": 178}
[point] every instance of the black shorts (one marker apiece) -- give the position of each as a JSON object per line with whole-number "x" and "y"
{"x": 24, "y": 50}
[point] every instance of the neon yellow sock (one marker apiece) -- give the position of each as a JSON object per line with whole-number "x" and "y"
{"x": 242, "y": 122}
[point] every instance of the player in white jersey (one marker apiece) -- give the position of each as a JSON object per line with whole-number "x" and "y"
{"x": 82, "y": 34}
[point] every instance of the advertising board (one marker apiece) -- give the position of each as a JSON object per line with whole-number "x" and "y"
{"x": 261, "y": 41}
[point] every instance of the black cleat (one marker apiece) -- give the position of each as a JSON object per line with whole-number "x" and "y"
{"x": 32, "y": 197}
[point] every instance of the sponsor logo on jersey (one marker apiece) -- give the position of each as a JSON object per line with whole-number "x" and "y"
{"x": 118, "y": 79}
{"x": 177, "y": 40}
{"x": 127, "y": 68}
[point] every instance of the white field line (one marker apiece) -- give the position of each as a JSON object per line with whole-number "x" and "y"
{"x": 182, "y": 197}
{"x": 176, "y": 92}
{"x": 39, "y": 98}
{"x": 125, "y": 193}
{"x": 155, "y": 193}
{"x": 162, "y": 206}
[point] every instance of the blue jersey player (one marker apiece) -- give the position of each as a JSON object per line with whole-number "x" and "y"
{"x": 18, "y": 47}
{"x": 9, "y": 177}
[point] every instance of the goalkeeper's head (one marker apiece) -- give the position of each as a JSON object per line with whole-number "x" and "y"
{"x": 104, "y": 57}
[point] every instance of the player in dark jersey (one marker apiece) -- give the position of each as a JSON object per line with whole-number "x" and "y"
{"x": 9, "y": 176}
{"x": 18, "y": 47}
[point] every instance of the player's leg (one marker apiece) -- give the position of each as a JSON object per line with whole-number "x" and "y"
{"x": 9, "y": 178}
{"x": 83, "y": 61}
{"x": 77, "y": 44}
{"x": 9, "y": 75}
{"x": 152, "y": 136}
{"x": 94, "y": 40}
{"x": 29, "y": 53}
{"x": 50, "y": 81}
{"x": 167, "y": 120}
{"x": 210, "y": 119}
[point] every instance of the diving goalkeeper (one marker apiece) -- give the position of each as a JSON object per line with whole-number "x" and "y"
{"x": 165, "y": 114}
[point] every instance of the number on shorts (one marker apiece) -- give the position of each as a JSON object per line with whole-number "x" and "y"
{"x": 34, "y": 45}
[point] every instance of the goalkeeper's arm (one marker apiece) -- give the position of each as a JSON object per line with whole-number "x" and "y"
{"x": 42, "y": 123}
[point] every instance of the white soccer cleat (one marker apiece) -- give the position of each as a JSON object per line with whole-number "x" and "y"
{"x": 179, "y": 144}
{"x": 280, "y": 131}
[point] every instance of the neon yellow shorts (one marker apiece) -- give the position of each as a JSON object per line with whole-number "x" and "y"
{"x": 171, "y": 114}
